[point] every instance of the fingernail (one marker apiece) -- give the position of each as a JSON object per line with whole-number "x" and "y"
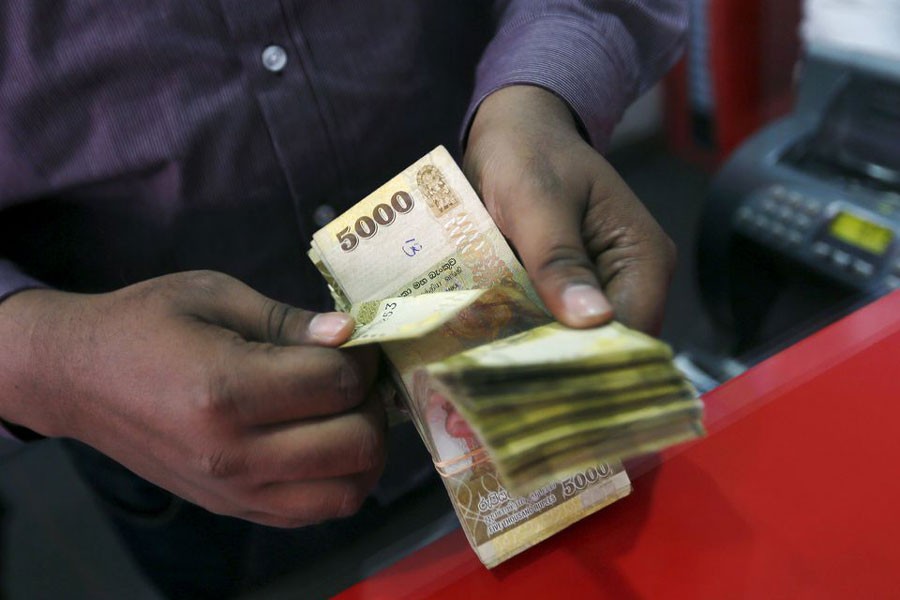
{"x": 586, "y": 302}
{"x": 328, "y": 326}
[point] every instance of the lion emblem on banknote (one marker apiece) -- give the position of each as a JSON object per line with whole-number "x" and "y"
{"x": 438, "y": 193}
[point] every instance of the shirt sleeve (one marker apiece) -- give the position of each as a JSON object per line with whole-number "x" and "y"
{"x": 598, "y": 56}
{"x": 19, "y": 182}
{"x": 13, "y": 280}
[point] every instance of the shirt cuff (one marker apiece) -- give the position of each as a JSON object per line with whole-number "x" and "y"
{"x": 6, "y": 434}
{"x": 13, "y": 280}
{"x": 587, "y": 66}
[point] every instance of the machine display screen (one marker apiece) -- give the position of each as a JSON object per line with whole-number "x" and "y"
{"x": 861, "y": 233}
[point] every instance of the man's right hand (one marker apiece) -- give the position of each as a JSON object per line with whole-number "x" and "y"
{"x": 203, "y": 386}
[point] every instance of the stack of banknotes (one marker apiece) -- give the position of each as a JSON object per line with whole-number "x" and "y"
{"x": 526, "y": 420}
{"x": 551, "y": 400}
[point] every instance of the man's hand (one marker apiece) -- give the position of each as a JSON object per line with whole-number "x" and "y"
{"x": 203, "y": 386}
{"x": 576, "y": 225}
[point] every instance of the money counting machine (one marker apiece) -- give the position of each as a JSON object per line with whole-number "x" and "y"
{"x": 803, "y": 222}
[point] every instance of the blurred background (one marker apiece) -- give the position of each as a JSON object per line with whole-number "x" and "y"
{"x": 771, "y": 156}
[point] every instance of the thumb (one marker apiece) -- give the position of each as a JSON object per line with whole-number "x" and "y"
{"x": 238, "y": 307}
{"x": 546, "y": 233}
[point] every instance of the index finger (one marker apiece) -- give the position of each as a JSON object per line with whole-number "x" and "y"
{"x": 547, "y": 235}
{"x": 636, "y": 260}
{"x": 259, "y": 384}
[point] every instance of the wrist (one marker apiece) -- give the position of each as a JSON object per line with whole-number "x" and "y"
{"x": 522, "y": 106}
{"x": 32, "y": 391}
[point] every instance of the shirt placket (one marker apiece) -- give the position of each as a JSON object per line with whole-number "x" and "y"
{"x": 272, "y": 51}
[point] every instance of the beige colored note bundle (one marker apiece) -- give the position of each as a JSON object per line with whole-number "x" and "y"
{"x": 427, "y": 274}
{"x": 547, "y": 402}
{"x": 425, "y": 232}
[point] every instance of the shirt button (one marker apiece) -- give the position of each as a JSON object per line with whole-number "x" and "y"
{"x": 274, "y": 58}
{"x": 324, "y": 215}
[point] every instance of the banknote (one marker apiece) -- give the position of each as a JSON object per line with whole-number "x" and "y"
{"x": 552, "y": 398}
{"x": 500, "y": 524}
{"x": 644, "y": 438}
{"x": 423, "y": 231}
{"x": 427, "y": 232}
{"x": 500, "y": 312}
{"x": 509, "y": 394}
{"x": 524, "y": 447}
{"x": 557, "y": 346}
{"x": 509, "y": 423}
{"x": 394, "y": 319}
{"x": 526, "y": 419}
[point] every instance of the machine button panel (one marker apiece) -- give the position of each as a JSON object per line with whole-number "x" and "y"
{"x": 761, "y": 221}
{"x": 812, "y": 207}
{"x": 841, "y": 258}
{"x": 781, "y": 214}
{"x": 802, "y": 221}
{"x": 863, "y": 268}
{"x": 779, "y": 192}
{"x": 807, "y": 227}
{"x": 821, "y": 249}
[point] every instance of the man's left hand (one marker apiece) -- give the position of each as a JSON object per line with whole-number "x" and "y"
{"x": 590, "y": 247}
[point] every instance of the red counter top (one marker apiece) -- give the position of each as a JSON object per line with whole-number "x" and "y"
{"x": 794, "y": 493}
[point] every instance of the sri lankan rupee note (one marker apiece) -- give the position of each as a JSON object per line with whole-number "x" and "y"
{"x": 498, "y": 522}
{"x": 423, "y": 231}
{"x": 426, "y": 231}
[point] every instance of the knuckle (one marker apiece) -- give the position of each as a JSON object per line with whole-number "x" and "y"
{"x": 370, "y": 449}
{"x": 273, "y": 319}
{"x": 207, "y": 282}
{"x": 348, "y": 385}
{"x": 564, "y": 257}
{"x": 214, "y": 401}
{"x": 314, "y": 457}
{"x": 350, "y": 500}
{"x": 620, "y": 264}
{"x": 191, "y": 287}
{"x": 221, "y": 463}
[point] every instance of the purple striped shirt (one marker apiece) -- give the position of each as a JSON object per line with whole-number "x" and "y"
{"x": 145, "y": 137}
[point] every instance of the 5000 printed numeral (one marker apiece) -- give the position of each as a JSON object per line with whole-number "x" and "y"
{"x": 366, "y": 226}
{"x": 576, "y": 483}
